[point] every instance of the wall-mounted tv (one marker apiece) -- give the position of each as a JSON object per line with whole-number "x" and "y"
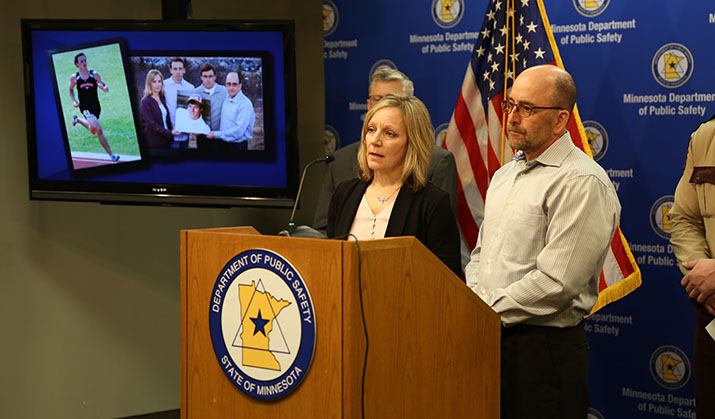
{"x": 198, "y": 113}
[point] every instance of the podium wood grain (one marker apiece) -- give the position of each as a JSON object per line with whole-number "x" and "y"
{"x": 206, "y": 391}
{"x": 433, "y": 345}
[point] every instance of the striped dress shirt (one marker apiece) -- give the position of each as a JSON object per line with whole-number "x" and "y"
{"x": 547, "y": 227}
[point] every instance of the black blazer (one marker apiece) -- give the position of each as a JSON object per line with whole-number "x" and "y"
{"x": 442, "y": 172}
{"x": 154, "y": 132}
{"x": 425, "y": 214}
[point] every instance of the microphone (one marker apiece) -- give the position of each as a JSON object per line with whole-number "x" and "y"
{"x": 304, "y": 231}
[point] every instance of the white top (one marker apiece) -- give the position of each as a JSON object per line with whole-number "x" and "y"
{"x": 164, "y": 112}
{"x": 369, "y": 226}
{"x": 184, "y": 123}
{"x": 171, "y": 92}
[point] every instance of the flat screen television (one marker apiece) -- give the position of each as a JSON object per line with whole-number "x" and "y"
{"x": 196, "y": 113}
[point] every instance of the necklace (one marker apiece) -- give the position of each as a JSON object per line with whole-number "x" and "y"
{"x": 384, "y": 199}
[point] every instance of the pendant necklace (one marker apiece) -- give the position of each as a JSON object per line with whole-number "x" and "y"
{"x": 384, "y": 199}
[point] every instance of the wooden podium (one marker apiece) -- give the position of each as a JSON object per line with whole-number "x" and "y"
{"x": 433, "y": 351}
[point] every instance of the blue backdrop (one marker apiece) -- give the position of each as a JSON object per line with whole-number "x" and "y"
{"x": 643, "y": 75}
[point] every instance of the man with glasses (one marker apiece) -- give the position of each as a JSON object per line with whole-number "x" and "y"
{"x": 237, "y": 116}
{"x": 549, "y": 218}
{"x": 442, "y": 171}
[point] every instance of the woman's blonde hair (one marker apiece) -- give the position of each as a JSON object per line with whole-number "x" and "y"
{"x": 420, "y": 139}
{"x": 149, "y": 78}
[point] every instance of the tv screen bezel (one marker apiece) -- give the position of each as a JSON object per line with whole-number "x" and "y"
{"x": 150, "y": 193}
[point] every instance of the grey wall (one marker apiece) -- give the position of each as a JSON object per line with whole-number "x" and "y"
{"x": 89, "y": 293}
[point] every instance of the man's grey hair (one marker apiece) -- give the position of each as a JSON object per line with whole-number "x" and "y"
{"x": 386, "y": 74}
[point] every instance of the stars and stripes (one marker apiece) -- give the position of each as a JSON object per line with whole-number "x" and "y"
{"x": 515, "y": 35}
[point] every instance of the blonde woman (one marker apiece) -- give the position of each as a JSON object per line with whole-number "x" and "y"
{"x": 392, "y": 196}
{"x": 155, "y": 116}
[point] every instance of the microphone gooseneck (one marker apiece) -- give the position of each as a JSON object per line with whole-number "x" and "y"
{"x": 324, "y": 159}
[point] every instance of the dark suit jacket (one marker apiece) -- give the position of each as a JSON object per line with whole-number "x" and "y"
{"x": 442, "y": 173}
{"x": 425, "y": 214}
{"x": 154, "y": 132}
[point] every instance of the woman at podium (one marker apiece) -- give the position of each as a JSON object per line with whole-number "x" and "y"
{"x": 391, "y": 196}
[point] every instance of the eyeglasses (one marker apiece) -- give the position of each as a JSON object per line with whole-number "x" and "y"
{"x": 524, "y": 110}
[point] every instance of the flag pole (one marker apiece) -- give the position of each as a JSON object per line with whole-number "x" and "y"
{"x": 509, "y": 42}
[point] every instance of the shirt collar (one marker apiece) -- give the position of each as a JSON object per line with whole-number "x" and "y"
{"x": 233, "y": 99}
{"x": 557, "y": 152}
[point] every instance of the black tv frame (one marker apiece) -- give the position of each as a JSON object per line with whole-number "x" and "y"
{"x": 167, "y": 194}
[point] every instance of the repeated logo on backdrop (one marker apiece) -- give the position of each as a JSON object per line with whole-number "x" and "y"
{"x": 447, "y": 13}
{"x": 590, "y": 8}
{"x": 594, "y": 414}
{"x": 672, "y": 65}
{"x": 380, "y": 64}
{"x": 660, "y": 216}
{"x": 670, "y": 367}
{"x": 331, "y": 140}
{"x": 597, "y": 138}
{"x": 330, "y": 17}
{"x": 440, "y": 133}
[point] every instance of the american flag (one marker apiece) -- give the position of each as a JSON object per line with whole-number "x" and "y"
{"x": 515, "y": 35}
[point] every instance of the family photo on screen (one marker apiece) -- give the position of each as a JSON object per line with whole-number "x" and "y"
{"x": 208, "y": 104}
{"x": 120, "y": 107}
{"x": 173, "y": 113}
